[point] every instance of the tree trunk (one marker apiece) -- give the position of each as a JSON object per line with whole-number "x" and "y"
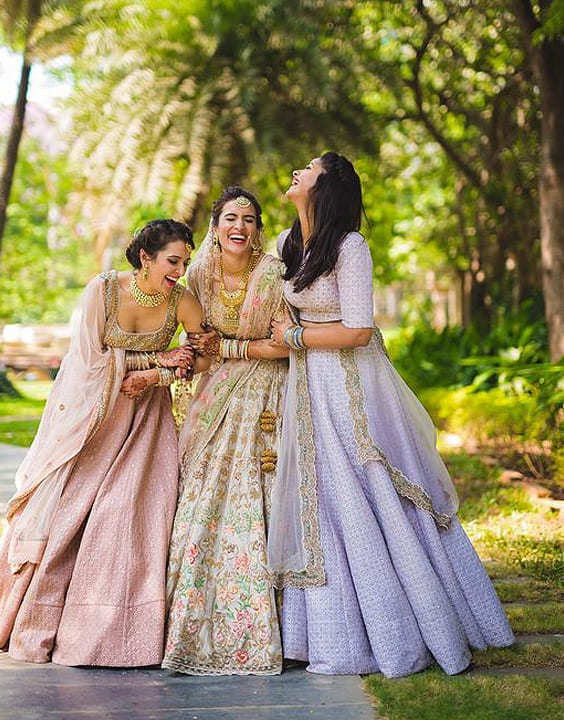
{"x": 549, "y": 64}
{"x": 547, "y": 60}
{"x": 16, "y": 130}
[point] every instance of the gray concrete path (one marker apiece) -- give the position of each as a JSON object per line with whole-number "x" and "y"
{"x": 10, "y": 458}
{"x": 36, "y": 692}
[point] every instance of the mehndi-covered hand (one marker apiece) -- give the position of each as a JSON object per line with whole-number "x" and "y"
{"x": 137, "y": 382}
{"x": 205, "y": 343}
{"x": 179, "y": 357}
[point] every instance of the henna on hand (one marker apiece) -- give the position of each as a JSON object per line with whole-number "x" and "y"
{"x": 182, "y": 357}
{"x": 137, "y": 382}
{"x": 206, "y": 344}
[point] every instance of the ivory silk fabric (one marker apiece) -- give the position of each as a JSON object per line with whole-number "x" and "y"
{"x": 402, "y": 582}
{"x": 96, "y": 595}
{"x": 222, "y": 612}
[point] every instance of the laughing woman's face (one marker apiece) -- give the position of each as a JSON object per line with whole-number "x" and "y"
{"x": 303, "y": 180}
{"x": 236, "y": 228}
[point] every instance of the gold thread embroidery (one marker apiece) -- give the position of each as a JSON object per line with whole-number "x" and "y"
{"x": 368, "y": 451}
{"x": 104, "y": 400}
{"x": 313, "y": 575}
{"x": 114, "y": 336}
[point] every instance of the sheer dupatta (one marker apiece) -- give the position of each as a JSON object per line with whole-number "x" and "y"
{"x": 82, "y": 397}
{"x": 262, "y": 303}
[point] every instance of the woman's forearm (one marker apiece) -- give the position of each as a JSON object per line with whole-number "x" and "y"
{"x": 266, "y": 350}
{"x": 201, "y": 363}
{"x": 335, "y": 337}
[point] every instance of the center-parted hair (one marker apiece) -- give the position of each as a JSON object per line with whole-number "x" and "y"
{"x": 231, "y": 193}
{"x": 335, "y": 202}
{"x": 154, "y": 236}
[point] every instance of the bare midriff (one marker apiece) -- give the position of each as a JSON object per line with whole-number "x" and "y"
{"x": 310, "y": 323}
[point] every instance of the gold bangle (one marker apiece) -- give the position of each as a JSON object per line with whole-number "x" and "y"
{"x": 166, "y": 377}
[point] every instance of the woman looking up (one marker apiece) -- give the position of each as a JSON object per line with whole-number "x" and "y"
{"x": 378, "y": 571}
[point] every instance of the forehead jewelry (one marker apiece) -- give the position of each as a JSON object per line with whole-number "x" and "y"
{"x": 242, "y": 201}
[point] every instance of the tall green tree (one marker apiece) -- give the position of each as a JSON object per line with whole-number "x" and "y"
{"x": 457, "y": 72}
{"x": 542, "y": 24}
{"x": 181, "y": 97}
{"x": 18, "y": 20}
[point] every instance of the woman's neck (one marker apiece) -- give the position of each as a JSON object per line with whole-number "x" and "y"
{"x": 306, "y": 223}
{"x": 234, "y": 264}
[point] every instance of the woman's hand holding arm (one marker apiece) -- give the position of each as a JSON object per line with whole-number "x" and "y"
{"x": 190, "y": 315}
{"x": 135, "y": 383}
{"x": 328, "y": 336}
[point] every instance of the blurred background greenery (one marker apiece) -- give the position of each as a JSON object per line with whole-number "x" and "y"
{"x": 439, "y": 104}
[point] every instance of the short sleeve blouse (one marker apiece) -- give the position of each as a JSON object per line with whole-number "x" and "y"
{"x": 344, "y": 294}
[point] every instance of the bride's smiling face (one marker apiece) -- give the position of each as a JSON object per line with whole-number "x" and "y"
{"x": 236, "y": 227}
{"x": 303, "y": 180}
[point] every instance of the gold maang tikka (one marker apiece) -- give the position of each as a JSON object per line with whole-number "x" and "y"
{"x": 242, "y": 201}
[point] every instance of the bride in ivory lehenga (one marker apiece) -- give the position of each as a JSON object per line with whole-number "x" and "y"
{"x": 363, "y": 534}
{"x": 83, "y": 561}
{"x": 222, "y": 615}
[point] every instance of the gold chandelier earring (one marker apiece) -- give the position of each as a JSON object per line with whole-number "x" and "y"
{"x": 145, "y": 273}
{"x": 256, "y": 246}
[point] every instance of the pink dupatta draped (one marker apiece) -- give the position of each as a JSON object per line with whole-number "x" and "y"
{"x": 82, "y": 397}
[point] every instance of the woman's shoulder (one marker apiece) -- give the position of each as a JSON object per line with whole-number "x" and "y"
{"x": 186, "y": 297}
{"x": 353, "y": 244}
{"x": 353, "y": 239}
{"x": 271, "y": 260}
{"x": 281, "y": 239}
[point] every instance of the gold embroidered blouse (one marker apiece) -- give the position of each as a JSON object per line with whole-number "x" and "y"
{"x": 114, "y": 336}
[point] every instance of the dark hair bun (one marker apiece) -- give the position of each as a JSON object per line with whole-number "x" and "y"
{"x": 154, "y": 236}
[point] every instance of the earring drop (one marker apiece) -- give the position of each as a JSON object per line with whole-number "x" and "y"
{"x": 145, "y": 273}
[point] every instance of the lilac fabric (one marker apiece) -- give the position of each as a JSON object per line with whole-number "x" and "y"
{"x": 400, "y": 591}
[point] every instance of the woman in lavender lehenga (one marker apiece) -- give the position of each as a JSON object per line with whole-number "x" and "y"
{"x": 379, "y": 574}
{"x": 83, "y": 561}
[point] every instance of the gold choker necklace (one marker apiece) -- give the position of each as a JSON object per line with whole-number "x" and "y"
{"x": 232, "y": 300}
{"x": 142, "y": 298}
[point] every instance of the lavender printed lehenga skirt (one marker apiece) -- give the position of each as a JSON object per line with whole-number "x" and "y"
{"x": 402, "y": 586}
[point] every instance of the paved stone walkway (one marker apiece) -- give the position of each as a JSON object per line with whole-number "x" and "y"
{"x": 36, "y": 692}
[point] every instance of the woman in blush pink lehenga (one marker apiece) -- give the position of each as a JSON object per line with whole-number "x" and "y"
{"x": 83, "y": 562}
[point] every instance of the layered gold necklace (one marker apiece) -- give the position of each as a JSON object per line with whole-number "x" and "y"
{"x": 233, "y": 299}
{"x": 142, "y": 298}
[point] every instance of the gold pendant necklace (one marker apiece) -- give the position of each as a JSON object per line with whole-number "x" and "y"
{"x": 233, "y": 299}
{"x": 142, "y": 298}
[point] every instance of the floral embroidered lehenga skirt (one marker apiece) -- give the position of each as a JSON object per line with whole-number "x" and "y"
{"x": 399, "y": 590}
{"x": 222, "y": 609}
{"x": 98, "y": 595}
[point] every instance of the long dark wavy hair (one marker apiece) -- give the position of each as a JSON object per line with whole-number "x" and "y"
{"x": 335, "y": 202}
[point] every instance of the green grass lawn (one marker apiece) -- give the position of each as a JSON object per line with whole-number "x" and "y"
{"x": 19, "y": 417}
